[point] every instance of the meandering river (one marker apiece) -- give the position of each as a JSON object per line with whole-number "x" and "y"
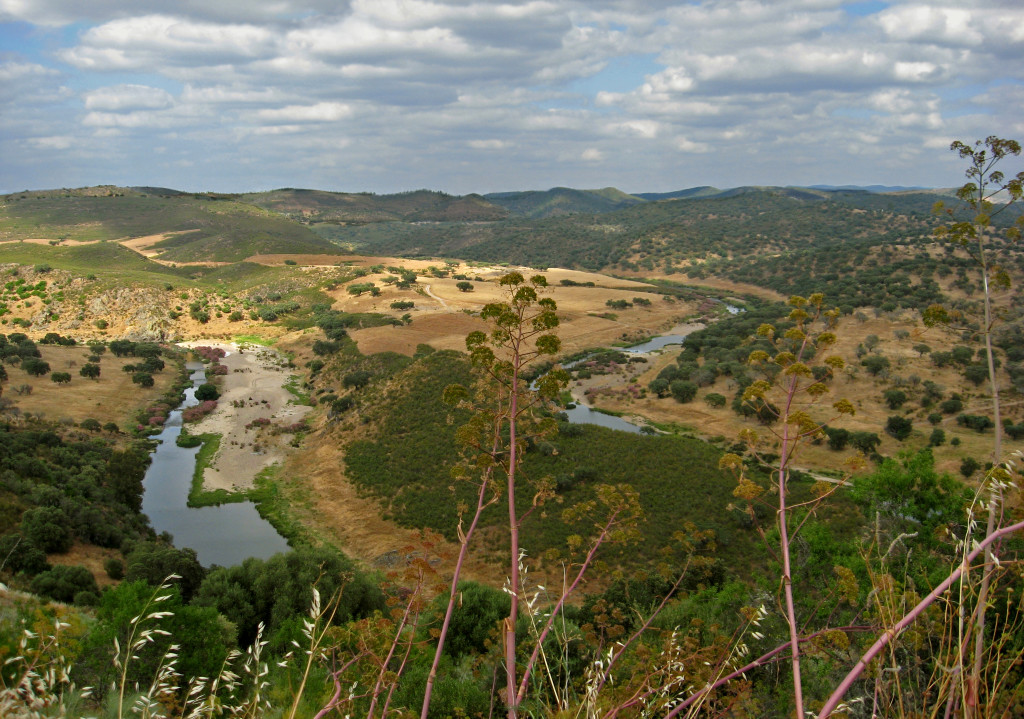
{"x": 226, "y": 534}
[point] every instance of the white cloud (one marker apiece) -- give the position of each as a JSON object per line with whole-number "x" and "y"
{"x": 321, "y": 112}
{"x": 61, "y": 142}
{"x": 119, "y": 98}
{"x": 152, "y": 40}
{"x": 489, "y": 144}
{"x": 11, "y": 72}
{"x": 412, "y": 92}
{"x": 686, "y": 145}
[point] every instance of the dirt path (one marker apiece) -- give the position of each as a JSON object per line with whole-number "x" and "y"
{"x": 252, "y": 389}
{"x": 444, "y": 305}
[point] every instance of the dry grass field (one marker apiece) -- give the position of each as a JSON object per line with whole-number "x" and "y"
{"x": 111, "y": 398}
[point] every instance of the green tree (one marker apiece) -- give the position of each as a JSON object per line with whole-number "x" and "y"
{"x": 60, "y": 377}
{"x": 47, "y": 528}
{"x": 464, "y": 286}
{"x": 714, "y": 399}
{"x": 207, "y": 391}
{"x": 683, "y": 391}
{"x": 899, "y": 427}
{"x": 63, "y": 583}
{"x": 875, "y": 364}
{"x": 90, "y": 371}
{"x": 894, "y": 398}
{"x": 35, "y": 366}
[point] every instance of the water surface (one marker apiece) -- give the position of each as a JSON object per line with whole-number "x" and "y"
{"x": 225, "y": 535}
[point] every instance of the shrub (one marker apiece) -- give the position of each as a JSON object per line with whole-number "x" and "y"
{"x": 47, "y": 528}
{"x": 837, "y": 438}
{"x": 207, "y": 391}
{"x": 90, "y": 370}
{"x": 683, "y": 391}
{"x": 875, "y": 364}
{"x": 899, "y": 427}
{"x": 21, "y": 555}
{"x": 322, "y": 348}
{"x": 937, "y": 438}
{"x": 894, "y": 398}
{"x": 714, "y": 399}
{"x": 356, "y": 380}
{"x": 114, "y": 568}
{"x": 951, "y": 406}
{"x": 63, "y": 583}
{"x": 977, "y": 422}
{"x": 968, "y": 466}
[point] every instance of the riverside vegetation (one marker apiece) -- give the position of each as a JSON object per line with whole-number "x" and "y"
{"x": 699, "y": 566}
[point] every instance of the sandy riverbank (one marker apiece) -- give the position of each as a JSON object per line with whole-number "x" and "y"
{"x": 253, "y": 388}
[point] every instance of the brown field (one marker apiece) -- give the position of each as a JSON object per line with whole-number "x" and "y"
{"x": 111, "y": 398}
{"x": 443, "y": 315}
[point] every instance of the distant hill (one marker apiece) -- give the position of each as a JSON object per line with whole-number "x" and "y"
{"x": 703, "y": 191}
{"x": 871, "y": 188}
{"x": 207, "y": 228}
{"x": 363, "y": 207}
{"x": 562, "y": 201}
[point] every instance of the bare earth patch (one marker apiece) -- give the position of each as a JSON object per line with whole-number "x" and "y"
{"x": 253, "y": 389}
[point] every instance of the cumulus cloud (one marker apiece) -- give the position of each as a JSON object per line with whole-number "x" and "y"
{"x": 128, "y": 97}
{"x": 413, "y": 92}
{"x": 321, "y": 112}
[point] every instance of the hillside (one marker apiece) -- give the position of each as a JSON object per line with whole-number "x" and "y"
{"x": 561, "y": 201}
{"x": 313, "y": 206}
{"x": 179, "y": 227}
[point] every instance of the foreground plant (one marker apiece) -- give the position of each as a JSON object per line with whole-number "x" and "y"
{"x": 522, "y": 330}
{"x": 790, "y": 380}
{"x": 987, "y": 194}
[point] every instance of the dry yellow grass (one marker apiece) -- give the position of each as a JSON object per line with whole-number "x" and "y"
{"x": 111, "y": 398}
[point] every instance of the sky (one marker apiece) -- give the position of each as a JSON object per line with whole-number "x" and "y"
{"x": 473, "y": 96}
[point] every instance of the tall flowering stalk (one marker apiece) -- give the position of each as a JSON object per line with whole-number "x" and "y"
{"x": 986, "y": 194}
{"x": 789, "y": 373}
{"x": 521, "y": 330}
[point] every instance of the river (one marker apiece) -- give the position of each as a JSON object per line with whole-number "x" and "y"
{"x": 226, "y": 534}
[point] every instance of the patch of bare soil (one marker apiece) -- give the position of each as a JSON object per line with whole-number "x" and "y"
{"x": 308, "y": 260}
{"x": 45, "y": 241}
{"x": 252, "y": 390}
{"x": 143, "y": 245}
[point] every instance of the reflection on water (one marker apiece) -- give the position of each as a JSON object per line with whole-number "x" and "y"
{"x": 581, "y": 414}
{"x": 656, "y": 343}
{"x": 225, "y": 535}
